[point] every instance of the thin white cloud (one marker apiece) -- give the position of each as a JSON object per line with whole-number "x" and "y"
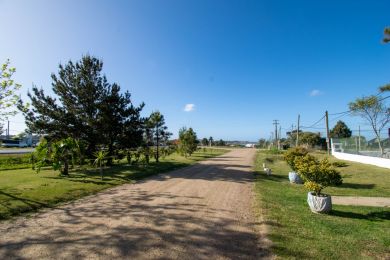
{"x": 189, "y": 107}
{"x": 316, "y": 92}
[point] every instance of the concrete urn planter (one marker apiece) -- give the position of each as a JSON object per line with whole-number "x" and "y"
{"x": 319, "y": 204}
{"x": 294, "y": 178}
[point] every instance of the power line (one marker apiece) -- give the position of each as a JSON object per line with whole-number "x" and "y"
{"x": 349, "y": 111}
{"x": 316, "y": 122}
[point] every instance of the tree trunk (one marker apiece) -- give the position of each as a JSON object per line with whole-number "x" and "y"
{"x": 157, "y": 145}
{"x": 378, "y": 138}
{"x": 110, "y": 153}
{"x": 101, "y": 171}
{"x": 66, "y": 168}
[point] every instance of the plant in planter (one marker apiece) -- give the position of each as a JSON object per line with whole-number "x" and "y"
{"x": 290, "y": 157}
{"x": 317, "y": 176}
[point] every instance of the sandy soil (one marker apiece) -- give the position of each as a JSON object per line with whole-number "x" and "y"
{"x": 361, "y": 201}
{"x": 199, "y": 212}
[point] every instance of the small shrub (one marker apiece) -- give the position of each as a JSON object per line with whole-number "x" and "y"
{"x": 317, "y": 174}
{"x": 269, "y": 160}
{"x": 294, "y": 153}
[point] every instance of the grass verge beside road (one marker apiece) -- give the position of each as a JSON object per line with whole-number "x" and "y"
{"x": 349, "y": 232}
{"x": 24, "y": 190}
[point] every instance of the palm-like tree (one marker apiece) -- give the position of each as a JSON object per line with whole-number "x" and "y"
{"x": 100, "y": 156}
{"x": 64, "y": 151}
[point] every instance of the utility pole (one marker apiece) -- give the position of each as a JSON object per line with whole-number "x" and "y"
{"x": 8, "y": 130}
{"x": 327, "y": 132}
{"x": 276, "y": 122}
{"x": 297, "y": 141}
{"x": 280, "y": 136}
{"x": 359, "y": 141}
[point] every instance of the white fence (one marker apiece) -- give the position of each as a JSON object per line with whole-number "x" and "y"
{"x": 339, "y": 153}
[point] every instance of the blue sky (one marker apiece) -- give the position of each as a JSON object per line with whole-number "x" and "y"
{"x": 240, "y": 63}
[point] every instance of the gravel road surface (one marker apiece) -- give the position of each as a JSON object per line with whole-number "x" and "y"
{"x": 204, "y": 211}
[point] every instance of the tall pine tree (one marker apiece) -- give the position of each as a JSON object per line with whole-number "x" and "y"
{"x": 86, "y": 107}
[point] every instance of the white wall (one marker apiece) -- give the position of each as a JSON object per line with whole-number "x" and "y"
{"x": 381, "y": 162}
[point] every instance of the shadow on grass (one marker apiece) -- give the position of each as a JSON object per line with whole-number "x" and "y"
{"x": 261, "y": 176}
{"x": 31, "y": 203}
{"x": 28, "y": 205}
{"x": 357, "y": 186}
{"x": 120, "y": 173}
{"x": 372, "y": 216}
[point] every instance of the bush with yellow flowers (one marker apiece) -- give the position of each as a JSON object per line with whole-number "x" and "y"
{"x": 294, "y": 153}
{"x": 317, "y": 174}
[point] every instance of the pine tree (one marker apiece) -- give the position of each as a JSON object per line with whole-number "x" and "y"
{"x": 340, "y": 130}
{"x": 159, "y": 130}
{"x": 85, "y": 107}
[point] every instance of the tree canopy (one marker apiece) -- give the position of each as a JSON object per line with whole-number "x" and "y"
{"x": 386, "y": 37}
{"x": 159, "y": 131}
{"x": 340, "y": 130}
{"x": 85, "y": 107}
{"x": 374, "y": 111}
{"x": 188, "y": 142}
{"x": 8, "y": 91}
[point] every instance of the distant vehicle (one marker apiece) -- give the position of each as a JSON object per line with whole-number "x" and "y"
{"x": 14, "y": 143}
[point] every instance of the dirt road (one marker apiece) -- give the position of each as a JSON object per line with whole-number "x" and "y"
{"x": 199, "y": 212}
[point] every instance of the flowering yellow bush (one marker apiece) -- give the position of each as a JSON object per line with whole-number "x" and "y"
{"x": 317, "y": 174}
{"x": 292, "y": 154}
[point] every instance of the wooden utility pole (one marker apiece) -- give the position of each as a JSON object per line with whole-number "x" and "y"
{"x": 276, "y": 122}
{"x": 280, "y": 136}
{"x": 297, "y": 141}
{"x": 327, "y": 132}
{"x": 359, "y": 141}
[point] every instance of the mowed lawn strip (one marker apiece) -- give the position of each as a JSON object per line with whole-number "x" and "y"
{"x": 24, "y": 190}
{"x": 349, "y": 232}
{"x": 360, "y": 179}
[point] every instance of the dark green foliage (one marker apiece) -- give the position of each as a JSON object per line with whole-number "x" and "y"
{"x": 221, "y": 143}
{"x": 205, "y": 142}
{"x": 211, "y": 141}
{"x": 188, "y": 141}
{"x": 386, "y": 37}
{"x": 385, "y": 88}
{"x": 158, "y": 131}
{"x": 308, "y": 139}
{"x": 340, "y": 130}
{"x": 60, "y": 154}
{"x": 85, "y": 107}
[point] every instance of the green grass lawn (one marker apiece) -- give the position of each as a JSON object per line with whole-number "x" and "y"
{"x": 14, "y": 161}
{"x": 361, "y": 179}
{"x": 24, "y": 190}
{"x": 349, "y": 232}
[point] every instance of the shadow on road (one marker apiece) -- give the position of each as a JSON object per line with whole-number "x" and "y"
{"x": 141, "y": 224}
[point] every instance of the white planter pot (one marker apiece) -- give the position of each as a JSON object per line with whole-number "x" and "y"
{"x": 294, "y": 178}
{"x": 319, "y": 204}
